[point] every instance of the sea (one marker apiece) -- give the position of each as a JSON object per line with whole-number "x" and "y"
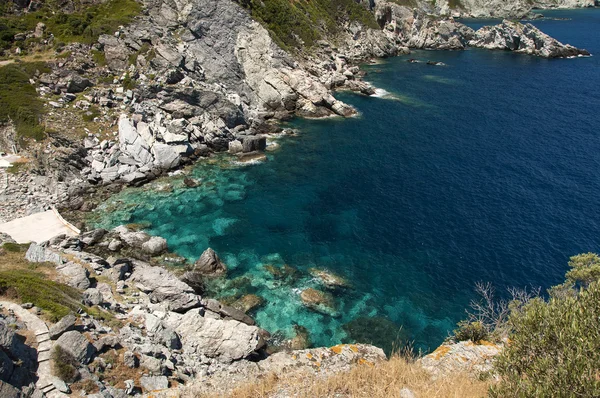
{"x": 485, "y": 169}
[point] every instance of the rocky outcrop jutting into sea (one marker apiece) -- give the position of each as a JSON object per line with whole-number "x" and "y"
{"x": 523, "y": 38}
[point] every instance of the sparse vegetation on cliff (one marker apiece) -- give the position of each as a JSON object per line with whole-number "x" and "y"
{"x": 28, "y": 286}
{"x": 383, "y": 380}
{"x": 554, "y": 347}
{"x": 19, "y": 101}
{"x": 83, "y": 25}
{"x": 294, "y": 24}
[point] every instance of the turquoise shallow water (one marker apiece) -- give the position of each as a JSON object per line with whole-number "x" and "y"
{"x": 483, "y": 170}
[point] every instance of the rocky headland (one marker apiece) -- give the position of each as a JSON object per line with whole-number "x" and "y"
{"x": 184, "y": 80}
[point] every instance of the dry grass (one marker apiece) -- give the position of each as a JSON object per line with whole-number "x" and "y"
{"x": 118, "y": 373}
{"x": 380, "y": 381}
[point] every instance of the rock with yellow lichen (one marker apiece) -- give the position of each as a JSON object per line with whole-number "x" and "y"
{"x": 466, "y": 356}
{"x": 314, "y": 361}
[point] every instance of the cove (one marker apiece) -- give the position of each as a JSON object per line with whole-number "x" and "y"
{"x": 485, "y": 169}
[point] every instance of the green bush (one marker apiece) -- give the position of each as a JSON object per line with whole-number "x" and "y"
{"x": 554, "y": 348}
{"x": 99, "y": 57}
{"x": 84, "y": 25}
{"x": 293, "y": 24}
{"x": 14, "y": 247}
{"x": 585, "y": 268}
{"x": 64, "y": 365}
{"x": 55, "y": 298}
{"x": 473, "y": 331}
{"x": 19, "y": 102}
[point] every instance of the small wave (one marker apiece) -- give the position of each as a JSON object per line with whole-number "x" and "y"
{"x": 252, "y": 162}
{"x": 379, "y": 93}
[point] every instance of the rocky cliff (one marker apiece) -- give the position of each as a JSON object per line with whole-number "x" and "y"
{"x": 498, "y": 8}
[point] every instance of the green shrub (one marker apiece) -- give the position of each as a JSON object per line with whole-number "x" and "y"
{"x": 91, "y": 114}
{"x": 14, "y": 247}
{"x": 585, "y": 268}
{"x": 64, "y": 365}
{"x": 55, "y": 298}
{"x": 296, "y": 23}
{"x": 92, "y": 21}
{"x": 454, "y": 4}
{"x": 473, "y": 331}
{"x": 19, "y": 102}
{"x": 554, "y": 348}
{"x": 129, "y": 83}
{"x": 99, "y": 57}
{"x": 84, "y": 25}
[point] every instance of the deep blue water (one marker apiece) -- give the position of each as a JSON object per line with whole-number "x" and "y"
{"x": 482, "y": 170}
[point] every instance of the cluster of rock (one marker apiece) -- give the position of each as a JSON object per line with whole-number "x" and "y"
{"x": 514, "y": 9}
{"x": 23, "y": 194}
{"x": 523, "y": 38}
{"x": 167, "y": 329}
{"x": 204, "y": 77}
{"x": 416, "y": 29}
{"x": 17, "y": 360}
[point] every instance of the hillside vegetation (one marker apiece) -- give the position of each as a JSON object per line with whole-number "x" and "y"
{"x": 19, "y": 101}
{"x": 84, "y": 24}
{"x": 296, "y": 24}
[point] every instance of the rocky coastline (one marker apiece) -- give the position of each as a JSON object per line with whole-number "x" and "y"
{"x": 208, "y": 79}
{"x": 201, "y": 87}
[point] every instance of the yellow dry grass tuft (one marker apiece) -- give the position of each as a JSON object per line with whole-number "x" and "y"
{"x": 381, "y": 380}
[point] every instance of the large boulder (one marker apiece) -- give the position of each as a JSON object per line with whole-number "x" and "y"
{"x": 462, "y": 357}
{"x": 77, "y": 83}
{"x": 254, "y": 143}
{"x": 224, "y": 340}
{"x": 134, "y": 142}
{"x": 163, "y": 287}
{"x": 6, "y": 238}
{"x": 209, "y": 263}
{"x": 77, "y": 345}
{"x": 8, "y": 391}
{"x": 40, "y": 254}
{"x": 66, "y": 324}
{"x": 93, "y": 237}
{"x": 75, "y": 274}
{"x": 154, "y": 383}
{"x": 155, "y": 246}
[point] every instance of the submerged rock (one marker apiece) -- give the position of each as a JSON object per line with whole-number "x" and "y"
{"x": 302, "y": 339}
{"x": 248, "y": 302}
{"x": 319, "y": 301}
{"x": 329, "y": 279}
{"x": 285, "y": 273}
{"x": 191, "y": 182}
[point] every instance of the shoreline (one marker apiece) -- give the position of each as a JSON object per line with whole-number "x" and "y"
{"x": 151, "y": 302}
